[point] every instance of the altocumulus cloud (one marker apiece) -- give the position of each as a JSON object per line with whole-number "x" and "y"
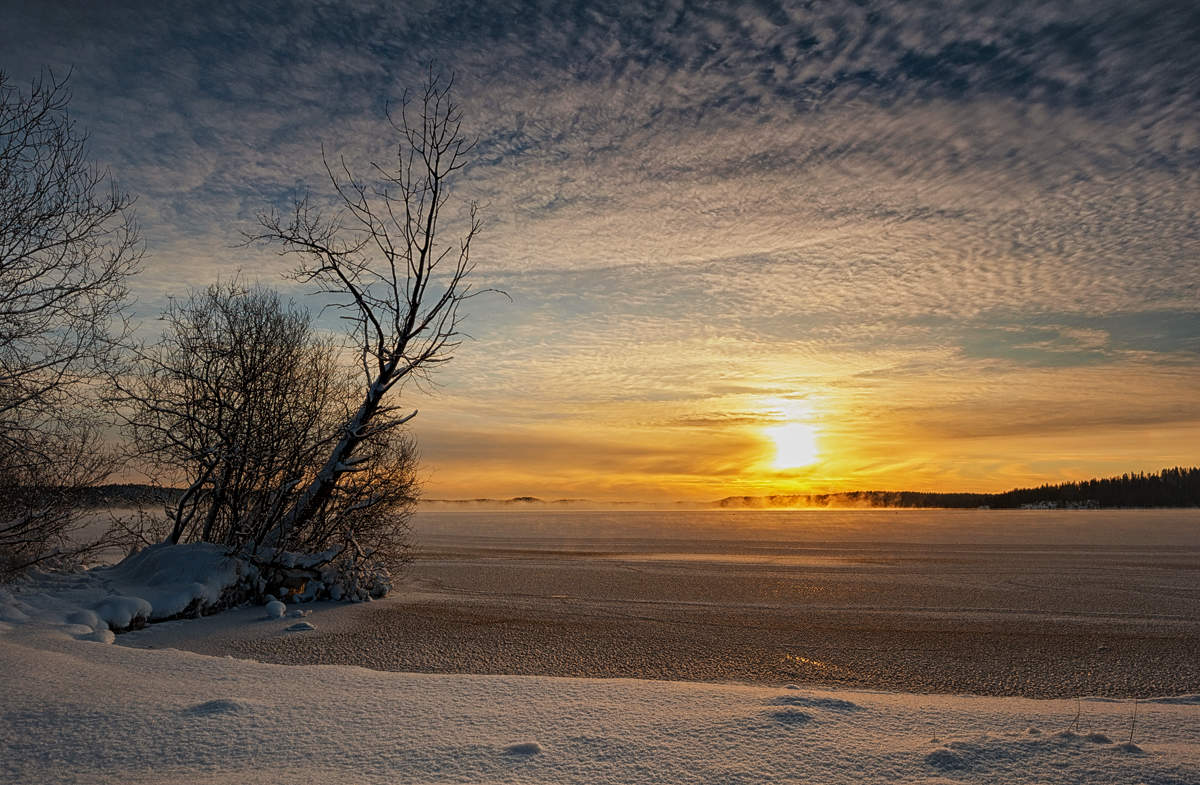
{"x": 918, "y": 203}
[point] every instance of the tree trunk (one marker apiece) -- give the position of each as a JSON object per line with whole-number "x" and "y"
{"x": 323, "y": 485}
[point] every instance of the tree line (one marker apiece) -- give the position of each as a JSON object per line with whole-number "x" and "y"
{"x": 1175, "y": 487}
{"x": 284, "y": 438}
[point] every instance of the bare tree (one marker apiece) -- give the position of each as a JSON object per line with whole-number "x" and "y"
{"x": 243, "y": 401}
{"x": 68, "y": 244}
{"x": 40, "y": 485}
{"x": 397, "y": 281}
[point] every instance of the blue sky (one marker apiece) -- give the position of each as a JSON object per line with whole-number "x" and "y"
{"x": 958, "y": 240}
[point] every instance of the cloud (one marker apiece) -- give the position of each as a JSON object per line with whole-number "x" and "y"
{"x": 890, "y": 208}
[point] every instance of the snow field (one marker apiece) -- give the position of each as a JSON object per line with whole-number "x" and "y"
{"x": 76, "y": 711}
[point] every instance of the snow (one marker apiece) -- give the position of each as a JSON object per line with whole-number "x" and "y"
{"x": 524, "y": 748}
{"x": 77, "y": 712}
{"x": 156, "y": 583}
{"x": 172, "y": 577}
{"x": 120, "y": 612}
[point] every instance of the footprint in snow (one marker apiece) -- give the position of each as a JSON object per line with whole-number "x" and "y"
{"x": 833, "y": 704}
{"x": 216, "y": 707}
{"x": 523, "y": 748}
{"x": 791, "y": 716}
{"x": 946, "y": 760}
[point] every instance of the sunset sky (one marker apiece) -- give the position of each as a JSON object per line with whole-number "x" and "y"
{"x": 750, "y": 248}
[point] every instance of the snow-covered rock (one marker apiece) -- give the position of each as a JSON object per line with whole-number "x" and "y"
{"x": 158, "y": 583}
{"x": 166, "y": 582}
{"x": 180, "y": 580}
{"x": 121, "y": 613}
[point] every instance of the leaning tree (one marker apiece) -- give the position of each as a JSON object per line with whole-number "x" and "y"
{"x": 242, "y": 400}
{"x": 68, "y": 244}
{"x": 384, "y": 260}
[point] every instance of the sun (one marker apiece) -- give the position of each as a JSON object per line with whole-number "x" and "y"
{"x": 795, "y": 445}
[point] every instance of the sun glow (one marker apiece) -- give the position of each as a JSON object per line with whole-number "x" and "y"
{"x": 795, "y": 445}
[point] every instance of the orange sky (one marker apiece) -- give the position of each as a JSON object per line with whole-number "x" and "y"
{"x": 956, "y": 425}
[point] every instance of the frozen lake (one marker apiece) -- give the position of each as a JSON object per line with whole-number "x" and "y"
{"x": 1033, "y": 603}
{"x": 734, "y": 532}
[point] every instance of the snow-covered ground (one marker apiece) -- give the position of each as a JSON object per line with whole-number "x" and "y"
{"x": 82, "y": 711}
{"x": 73, "y": 709}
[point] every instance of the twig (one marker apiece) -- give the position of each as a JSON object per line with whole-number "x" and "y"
{"x": 1133, "y": 723}
{"x": 1074, "y": 726}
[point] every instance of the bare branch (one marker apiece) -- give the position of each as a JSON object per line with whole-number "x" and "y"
{"x": 403, "y": 283}
{"x": 68, "y": 243}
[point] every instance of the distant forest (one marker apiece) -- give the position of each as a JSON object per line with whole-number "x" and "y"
{"x": 1177, "y": 487}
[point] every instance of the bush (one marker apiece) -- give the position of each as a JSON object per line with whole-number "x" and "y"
{"x": 242, "y": 401}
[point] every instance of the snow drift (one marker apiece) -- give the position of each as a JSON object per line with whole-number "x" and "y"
{"x": 79, "y": 712}
{"x": 165, "y": 582}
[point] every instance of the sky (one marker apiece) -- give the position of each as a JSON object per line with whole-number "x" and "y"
{"x": 750, "y": 247}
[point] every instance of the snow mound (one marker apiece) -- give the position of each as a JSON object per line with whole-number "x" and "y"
{"x": 86, "y": 618}
{"x": 991, "y": 758}
{"x": 158, "y": 583}
{"x": 99, "y": 636}
{"x": 123, "y": 613}
{"x": 946, "y": 760}
{"x": 179, "y": 579}
{"x": 165, "y": 582}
